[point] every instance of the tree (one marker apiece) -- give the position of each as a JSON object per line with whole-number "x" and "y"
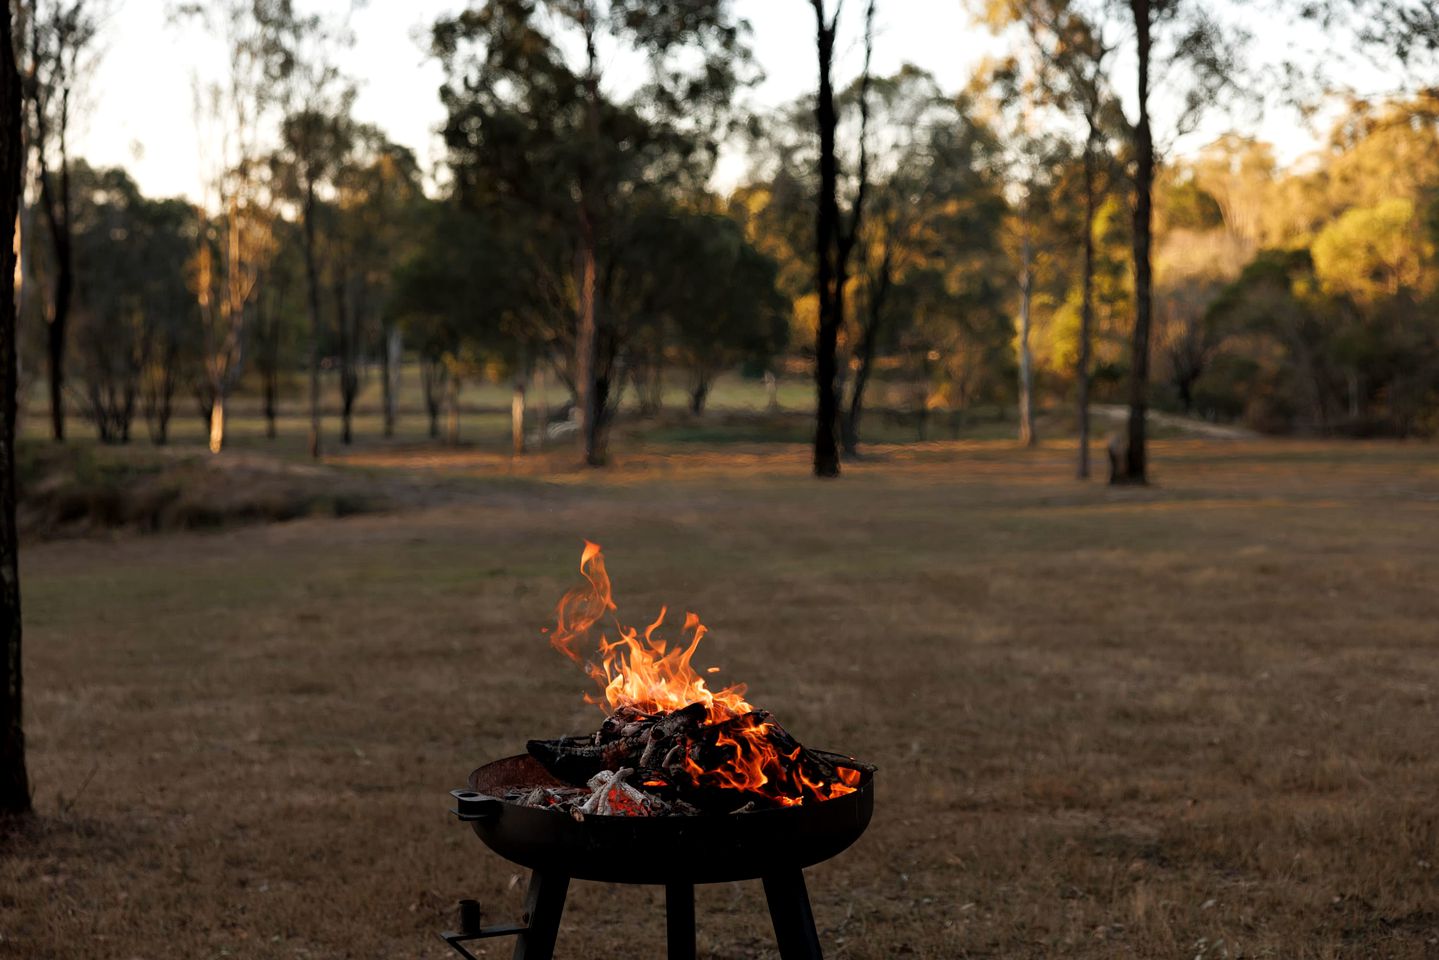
{"x": 234, "y": 243}
{"x": 1036, "y": 162}
{"x": 532, "y": 123}
{"x": 133, "y": 310}
{"x": 14, "y": 780}
{"x": 934, "y": 202}
{"x": 466, "y": 298}
{"x": 61, "y": 34}
{"x": 381, "y": 198}
{"x": 110, "y": 335}
{"x": 834, "y": 238}
{"x": 1329, "y": 326}
{"x": 313, "y": 143}
{"x": 1402, "y": 31}
{"x": 377, "y": 189}
{"x": 279, "y": 318}
{"x": 1071, "y": 39}
{"x": 316, "y": 134}
{"x": 1178, "y": 35}
{"x": 697, "y": 281}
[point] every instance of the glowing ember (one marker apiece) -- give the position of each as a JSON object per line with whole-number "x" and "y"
{"x": 645, "y": 680}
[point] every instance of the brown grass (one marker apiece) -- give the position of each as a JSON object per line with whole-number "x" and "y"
{"x": 84, "y": 489}
{"x": 1196, "y": 720}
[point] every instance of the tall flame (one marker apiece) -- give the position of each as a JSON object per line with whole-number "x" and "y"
{"x": 643, "y": 671}
{"x": 637, "y": 670}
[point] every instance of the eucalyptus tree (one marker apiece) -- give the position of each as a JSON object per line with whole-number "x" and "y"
{"x": 378, "y": 199}
{"x": 1183, "y": 50}
{"x": 934, "y": 199}
{"x": 60, "y": 48}
{"x": 168, "y": 228}
{"x": 1398, "y": 32}
{"x": 1033, "y": 159}
{"x": 835, "y": 236}
{"x": 132, "y": 302}
{"x": 14, "y": 779}
{"x": 1189, "y": 45}
{"x": 534, "y": 121}
{"x": 1076, "y": 43}
{"x": 233, "y": 108}
{"x": 316, "y": 133}
{"x": 469, "y": 296}
{"x": 279, "y": 318}
{"x": 701, "y": 287}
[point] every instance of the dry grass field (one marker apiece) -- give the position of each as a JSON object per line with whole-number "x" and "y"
{"x": 1199, "y": 720}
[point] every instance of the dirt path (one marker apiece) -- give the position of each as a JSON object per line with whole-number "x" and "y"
{"x": 1188, "y": 425}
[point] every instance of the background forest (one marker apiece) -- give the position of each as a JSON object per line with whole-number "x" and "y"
{"x": 573, "y": 242}
{"x": 314, "y": 420}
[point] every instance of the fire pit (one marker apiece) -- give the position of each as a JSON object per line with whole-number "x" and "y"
{"x": 681, "y": 785}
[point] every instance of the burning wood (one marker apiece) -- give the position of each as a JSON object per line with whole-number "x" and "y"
{"x": 669, "y": 745}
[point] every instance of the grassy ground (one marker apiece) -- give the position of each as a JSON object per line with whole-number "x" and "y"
{"x": 1196, "y": 720}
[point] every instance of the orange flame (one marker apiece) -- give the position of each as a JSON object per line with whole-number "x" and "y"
{"x": 639, "y": 671}
{"x": 644, "y": 672}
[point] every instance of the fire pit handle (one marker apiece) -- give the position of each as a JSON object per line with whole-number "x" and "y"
{"x": 470, "y": 806}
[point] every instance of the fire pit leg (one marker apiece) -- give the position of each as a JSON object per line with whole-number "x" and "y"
{"x": 680, "y": 920}
{"x": 793, "y": 920}
{"x": 544, "y": 904}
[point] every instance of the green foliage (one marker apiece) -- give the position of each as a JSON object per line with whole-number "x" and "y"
{"x": 1372, "y": 252}
{"x": 698, "y": 284}
{"x": 556, "y": 167}
{"x": 1188, "y": 206}
{"x": 134, "y": 315}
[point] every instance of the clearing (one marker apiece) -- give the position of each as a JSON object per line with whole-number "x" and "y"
{"x": 1193, "y": 720}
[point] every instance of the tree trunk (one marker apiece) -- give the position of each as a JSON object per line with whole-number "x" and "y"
{"x": 217, "y": 423}
{"x": 1026, "y": 364}
{"x": 544, "y": 417}
{"x": 1135, "y": 460}
{"x": 312, "y": 280}
{"x": 267, "y": 325}
{"x": 165, "y": 398}
{"x": 392, "y": 353}
{"x": 602, "y": 411}
{"x": 698, "y": 394}
{"x": 452, "y": 410}
{"x": 127, "y": 415}
{"x": 58, "y": 219}
{"x": 271, "y": 390}
{"x": 349, "y": 377}
{"x": 55, "y": 351}
{"x": 14, "y": 781}
{"x": 204, "y": 400}
{"x": 517, "y": 418}
{"x": 832, "y": 243}
{"x": 1086, "y": 307}
{"x": 431, "y": 375}
{"x": 587, "y": 349}
{"x": 867, "y": 346}
{"x": 826, "y": 449}
{"x": 587, "y": 341}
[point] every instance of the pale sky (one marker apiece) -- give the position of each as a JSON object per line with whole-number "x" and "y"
{"x": 140, "y": 102}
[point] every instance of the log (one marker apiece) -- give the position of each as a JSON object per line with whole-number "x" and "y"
{"x": 658, "y": 754}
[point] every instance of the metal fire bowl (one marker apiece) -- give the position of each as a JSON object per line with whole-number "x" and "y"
{"x": 705, "y": 848}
